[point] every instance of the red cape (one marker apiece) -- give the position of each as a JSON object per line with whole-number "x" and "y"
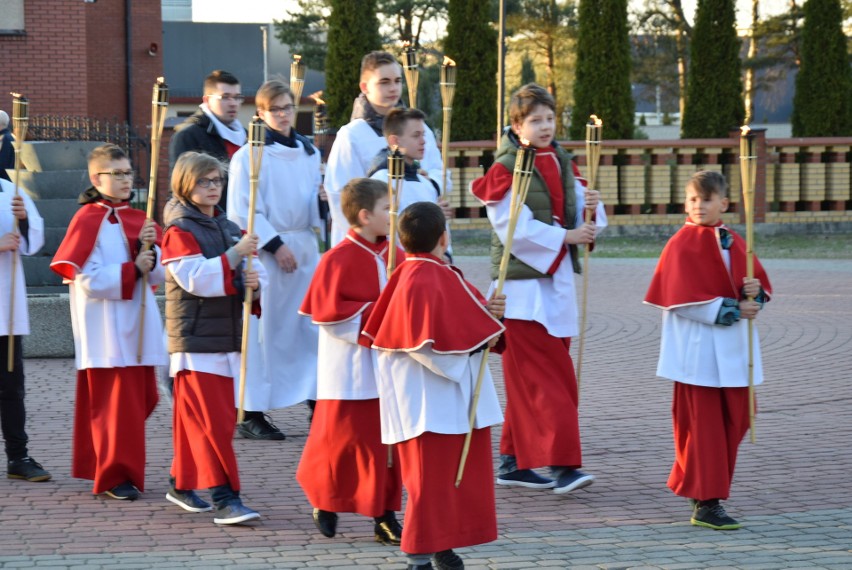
{"x": 691, "y": 269}
{"x": 345, "y": 283}
{"x": 428, "y": 301}
{"x": 82, "y": 234}
{"x": 497, "y": 182}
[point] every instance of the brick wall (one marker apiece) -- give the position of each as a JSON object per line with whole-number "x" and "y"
{"x": 72, "y": 59}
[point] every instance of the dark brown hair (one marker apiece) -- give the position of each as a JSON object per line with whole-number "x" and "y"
{"x": 100, "y": 155}
{"x": 527, "y": 98}
{"x": 374, "y": 60}
{"x": 709, "y": 182}
{"x": 421, "y": 226}
{"x": 397, "y": 119}
{"x": 216, "y": 77}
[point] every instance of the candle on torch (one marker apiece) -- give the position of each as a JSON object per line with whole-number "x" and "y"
{"x": 412, "y": 73}
{"x": 448, "y": 93}
{"x": 297, "y": 80}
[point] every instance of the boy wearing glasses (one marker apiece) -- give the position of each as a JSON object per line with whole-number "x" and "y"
{"x": 214, "y": 129}
{"x": 282, "y": 366}
{"x": 107, "y": 250}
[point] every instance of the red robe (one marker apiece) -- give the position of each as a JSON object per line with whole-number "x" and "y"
{"x": 344, "y": 466}
{"x": 429, "y": 303}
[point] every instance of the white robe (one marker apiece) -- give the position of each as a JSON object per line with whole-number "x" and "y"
{"x": 353, "y": 151}
{"x": 106, "y": 327}
{"x": 282, "y": 358}
{"x": 346, "y": 370}
{"x": 420, "y": 190}
{"x": 550, "y": 301}
{"x": 694, "y": 350}
{"x": 29, "y": 246}
{"x": 424, "y": 391}
{"x": 205, "y": 277}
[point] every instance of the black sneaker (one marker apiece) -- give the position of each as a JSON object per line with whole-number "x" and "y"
{"x": 427, "y": 566}
{"x": 27, "y": 468}
{"x": 388, "y": 530}
{"x": 188, "y": 501}
{"x": 234, "y": 513}
{"x": 260, "y": 428}
{"x": 571, "y": 480}
{"x": 713, "y": 515}
{"x": 525, "y": 478}
{"x": 124, "y": 492}
{"x": 326, "y": 522}
{"x": 447, "y": 560}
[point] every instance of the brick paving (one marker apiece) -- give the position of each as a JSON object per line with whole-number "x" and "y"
{"x": 792, "y": 490}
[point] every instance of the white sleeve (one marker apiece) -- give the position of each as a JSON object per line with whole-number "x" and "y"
{"x": 346, "y": 331}
{"x": 35, "y": 234}
{"x": 704, "y": 313}
{"x": 535, "y": 243}
{"x": 433, "y": 163}
{"x": 99, "y": 280}
{"x": 199, "y": 275}
{"x": 239, "y": 194}
{"x": 453, "y": 367}
{"x": 344, "y": 164}
{"x": 600, "y": 212}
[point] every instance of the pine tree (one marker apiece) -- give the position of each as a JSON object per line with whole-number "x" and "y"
{"x": 714, "y": 93}
{"x": 822, "y": 105}
{"x": 602, "y": 85}
{"x": 472, "y": 43}
{"x": 353, "y": 31}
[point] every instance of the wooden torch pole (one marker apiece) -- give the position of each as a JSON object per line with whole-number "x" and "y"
{"x": 524, "y": 164}
{"x": 159, "y": 108}
{"x": 593, "y": 156}
{"x": 20, "y": 122}
{"x": 748, "y": 171}
{"x": 256, "y": 137}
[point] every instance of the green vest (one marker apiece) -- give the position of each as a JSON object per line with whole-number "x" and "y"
{"x": 539, "y": 203}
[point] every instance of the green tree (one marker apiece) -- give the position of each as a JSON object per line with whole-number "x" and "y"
{"x": 527, "y": 70}
{"x": 353, "y": 30}
{"x": 546, "y": 27}
{"x": 602, "y": 85}
{"x": 714, "y": 96}
{"x": 472, "y": 43}
{"x": 407, "y": 17}
{"x": 822, "y": 105}
{"x": 304, "y": 31}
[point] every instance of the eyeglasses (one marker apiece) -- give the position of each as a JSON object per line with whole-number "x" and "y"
{"x": 228, "y": 98}
{"x": 286, "y": 109}
{"x": 119, "y": 174}
{"x": 206, "y": 182}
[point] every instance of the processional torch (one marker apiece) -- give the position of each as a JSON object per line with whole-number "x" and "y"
{"x": 748, "y": 171}
{"x": 159, "y": 108}
{"x": 521, "y": 177}
{"x": 297, "y": 83}
{"x": 396, "y": 173}
{"x": 20, "y": 122}
{"x": 448, "y": 92}
{"x": 412, "y": 73}
{"x": 320, "y": 141}
{"x": 593, "y": 156}
{"x": 256, "y": 138}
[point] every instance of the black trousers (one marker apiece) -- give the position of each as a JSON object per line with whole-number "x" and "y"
{"x": 13, "y": 416}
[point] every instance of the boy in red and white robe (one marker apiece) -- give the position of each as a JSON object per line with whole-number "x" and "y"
{"x": 428, "y": 328}
{"x": 707, "y": 299}
{"x": 344, "y": 466}
{"x": 102, "y": 260}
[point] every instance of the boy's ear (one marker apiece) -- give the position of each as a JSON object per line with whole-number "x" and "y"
{"x": 725, "y": 204}
{"x": 93, "y": 178}
{"x": 363, "y": 217}
{"x": 393, "y": 140}
{"x": 444, "y": 240}
{"x": 363, "y": 87}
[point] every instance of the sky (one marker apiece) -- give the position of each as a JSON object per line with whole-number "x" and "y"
{"x": 264, "y": 11}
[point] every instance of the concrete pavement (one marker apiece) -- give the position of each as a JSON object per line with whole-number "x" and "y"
{"x": 792, "y": 490}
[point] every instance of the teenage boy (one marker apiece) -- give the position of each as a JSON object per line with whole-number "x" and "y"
{"x": 359, "y": 141}
{"x": 26, "y": 241}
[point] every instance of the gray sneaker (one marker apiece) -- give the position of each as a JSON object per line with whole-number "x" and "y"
{"x": 234, "y": 513}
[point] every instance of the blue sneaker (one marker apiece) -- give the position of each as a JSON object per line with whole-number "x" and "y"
{"x": 571, "y": 480}
{"x": 525, "y": 478}
{"x": 188, "y": 501}
{"x": 234, "y": 513}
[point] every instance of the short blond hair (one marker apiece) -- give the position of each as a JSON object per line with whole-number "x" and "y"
{"x": 100, "y": 156}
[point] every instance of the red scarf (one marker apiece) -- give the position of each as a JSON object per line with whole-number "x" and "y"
{"x": 427, "y": 301}
{"x": 82, "y": 234}
{"x": 691, "y": 269}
